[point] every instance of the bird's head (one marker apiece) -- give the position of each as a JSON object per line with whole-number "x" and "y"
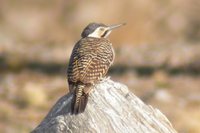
{"x": 98, "y": 30}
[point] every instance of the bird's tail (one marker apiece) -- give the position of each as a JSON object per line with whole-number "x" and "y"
{"x": 79, "y": 100}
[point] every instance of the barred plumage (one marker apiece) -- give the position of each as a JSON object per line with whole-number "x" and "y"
{"x": 89, "y": 62}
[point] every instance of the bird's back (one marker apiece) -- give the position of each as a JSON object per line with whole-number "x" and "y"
{"x": 90, "y": 60}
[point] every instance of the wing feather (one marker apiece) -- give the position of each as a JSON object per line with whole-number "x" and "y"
{"x": 90, "y": 60}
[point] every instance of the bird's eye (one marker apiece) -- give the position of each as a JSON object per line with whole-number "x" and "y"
{"x": 101, "y": 29}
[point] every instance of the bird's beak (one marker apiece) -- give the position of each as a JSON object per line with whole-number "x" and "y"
{"x": 111, "y": 27}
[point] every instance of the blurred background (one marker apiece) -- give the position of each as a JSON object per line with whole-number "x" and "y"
{"x": 157, "y": 55}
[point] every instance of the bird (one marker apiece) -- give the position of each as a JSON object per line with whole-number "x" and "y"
{"x": 89, "y": 62}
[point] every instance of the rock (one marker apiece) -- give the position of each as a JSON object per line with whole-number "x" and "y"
{"x": 111, "y": 108}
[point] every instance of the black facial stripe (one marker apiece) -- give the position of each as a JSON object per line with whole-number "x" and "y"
{"x": 104, "y": 33}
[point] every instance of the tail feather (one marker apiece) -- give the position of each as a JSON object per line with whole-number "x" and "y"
{"x": 80, "y": 100}
{"x": 83, "y": 102}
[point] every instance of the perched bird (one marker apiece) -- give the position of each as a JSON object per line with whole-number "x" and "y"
{"x": 90, "y": 60}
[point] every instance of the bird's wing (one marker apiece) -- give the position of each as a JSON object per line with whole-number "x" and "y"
{"x": 90, "y": 60}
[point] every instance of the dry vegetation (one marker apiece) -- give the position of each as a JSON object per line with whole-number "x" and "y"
{"x": 157, "y": 55}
